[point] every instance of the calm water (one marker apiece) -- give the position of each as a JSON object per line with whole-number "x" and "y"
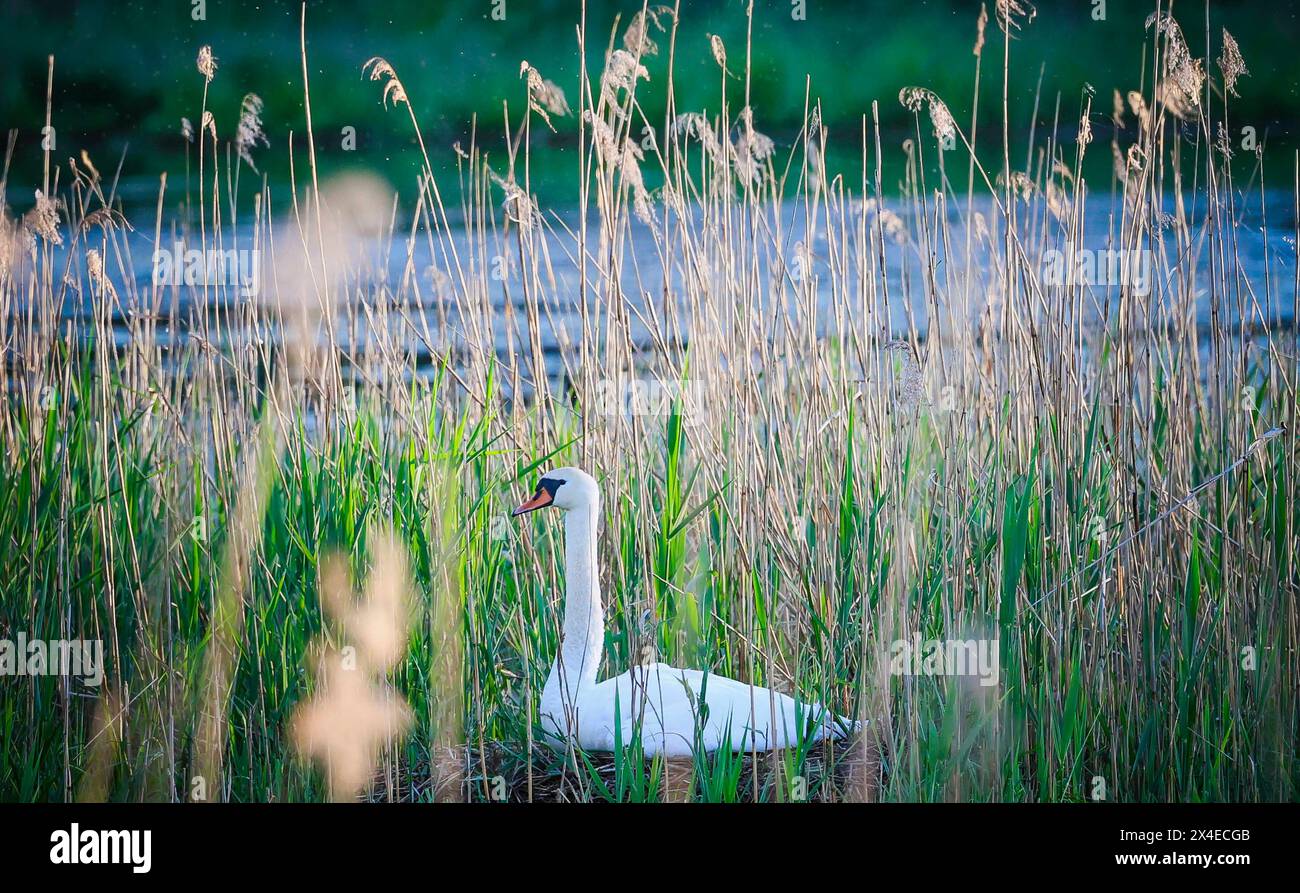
{"x": 1263, "y": 260}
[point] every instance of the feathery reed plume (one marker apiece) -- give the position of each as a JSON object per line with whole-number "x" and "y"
{"x": 90, "y": 166}
{"x": 751, "y": 149}
{"x": 344, "y": 727}
{"x": 379, "y": 625}
{"x": 544, "y": 97}
{"x": 520, "y": 207}
{"x": 1022, "y": 185}
{"x": 891, "y": 225}
{"x": 1084, "y": 137}
{"x": 908, "y": 384}
{"x": 106, "y": 218}
{"x": 209, "y": 124}
{"x": 817, "y": 180}
{"x": 1138, "y": 106}
{"x": 43, "y": 219}
{"x": 1231, "y": 63}
{"x": 1058, "y": 204}
{"x": 815, "y": 127}
{"x": 636, "y": 39}
{"x": 696, "y": 125}
{"x": 1223, "y": 143}
{"x": 99, "y": 278}
{"x": 624, "y": 157}
{"x": 945, "y": 128}
{"x": 249, "y": 133}
{"x": 1186, "y": 73}
{"x": 206, "y": 63}
{"x": 187, "y": 130}
{"x": 622, "y": 71}
{"x": 719, "y": 52}
{"x": 1009, "y": 12}
{"x": 1174, "y": 100}
{"x": 1119, "y": 164}
{"x": 8, "y": 243}
{"x": 393, "y": 89}
{"x": 980, "y": 24}
{"x": 354, "y": 713}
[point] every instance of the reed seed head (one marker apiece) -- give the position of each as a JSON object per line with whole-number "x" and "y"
{"x": 625, "y": 157}
{"x": 751, "y": 149}
{"x": 43, "y": 219}
{"x": 1186, "y": 74}
{"x": 719, "y": 51}
{"x": 206, "y": 63}
{"x": 941, "y": 119}
{"x": 891, "y": 225}
{"x": 1010, "y": 13}
{"x": 1231, "y": 63}
{"x": 99, "y": 278}
{"x": 622, "y": 71}
{"x": 696, "y": 125}
{"x": 544, "y": 97}
{"x": 379, "y": 69}
{"x": 249, "y": 132}
{"x": 636, "y": 39}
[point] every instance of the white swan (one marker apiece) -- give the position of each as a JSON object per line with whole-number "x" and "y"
{"x": 661, "y": 699}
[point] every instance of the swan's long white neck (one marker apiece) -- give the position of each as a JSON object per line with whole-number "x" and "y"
{"x": 583, "y": 639}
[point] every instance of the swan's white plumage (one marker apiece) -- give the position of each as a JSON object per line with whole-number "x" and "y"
{"x": 659, "y": 701}
{"x": 663, "y": 700}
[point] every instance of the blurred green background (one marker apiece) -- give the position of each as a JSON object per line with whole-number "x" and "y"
{"x": 125, "y": 75}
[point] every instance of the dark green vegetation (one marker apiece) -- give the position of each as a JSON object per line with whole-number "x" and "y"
{"x": 123, "y": 74}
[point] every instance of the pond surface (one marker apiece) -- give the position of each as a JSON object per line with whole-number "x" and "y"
{"x": 1260, "y": 293}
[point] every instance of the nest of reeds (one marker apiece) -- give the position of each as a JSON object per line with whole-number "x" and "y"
{"x": 496, "y": 773}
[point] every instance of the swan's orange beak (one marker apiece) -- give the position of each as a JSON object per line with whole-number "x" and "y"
{"x": 539, "y": 500}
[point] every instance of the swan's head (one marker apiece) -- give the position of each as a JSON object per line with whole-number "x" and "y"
{"x": 564, "y": 488}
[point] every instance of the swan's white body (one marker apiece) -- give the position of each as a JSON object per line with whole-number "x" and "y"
{"x": 660, "y": 702}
